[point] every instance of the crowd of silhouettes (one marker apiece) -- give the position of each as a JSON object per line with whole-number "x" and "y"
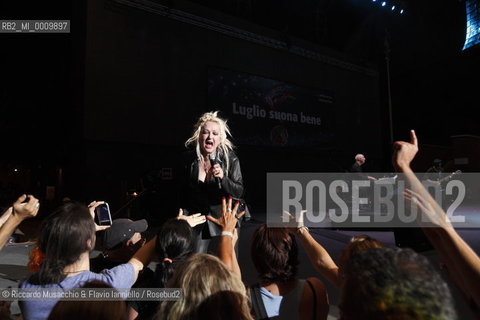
{"x": 374, "y": 281}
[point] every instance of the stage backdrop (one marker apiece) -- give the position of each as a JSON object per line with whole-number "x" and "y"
{"x": 267, "y": 112}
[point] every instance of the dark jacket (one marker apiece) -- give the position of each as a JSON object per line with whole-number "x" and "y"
{"x": 205, "y": 197}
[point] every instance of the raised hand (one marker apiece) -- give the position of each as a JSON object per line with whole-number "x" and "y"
{"x": 229, "y": 217}
{"x": 296, "y": 222}
{"x": 24, "y": 210}
{"x": 404, "y": 152}
{"x": 25, "y": 207}
{"x": 91, "y": 208}
{"x": 433, "y": 213}
{"x": 193, "y": 220}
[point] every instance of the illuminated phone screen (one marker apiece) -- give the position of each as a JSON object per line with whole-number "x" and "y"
{"x": 103, "y": 215}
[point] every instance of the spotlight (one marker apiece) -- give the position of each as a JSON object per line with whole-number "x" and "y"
{"x": 401, "y": 11}
{"x": 383, "y": 4}
{"x": 393, "y": 8}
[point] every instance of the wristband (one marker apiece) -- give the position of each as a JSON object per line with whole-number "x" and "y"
{"x": 300, "y": 230}
{"x": 227, "y": 233}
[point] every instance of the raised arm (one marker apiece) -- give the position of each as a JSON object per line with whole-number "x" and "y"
{"x": 227, "y": 222}
{"x": 461, "y": 261}
{"x": 143, "y": 256}
{"x": 5, "y": 215}
{"x": 320, "y": 258}
{"x": 20, "y": 211}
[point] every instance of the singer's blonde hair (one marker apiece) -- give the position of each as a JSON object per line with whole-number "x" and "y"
{"x": 225, "y": 145}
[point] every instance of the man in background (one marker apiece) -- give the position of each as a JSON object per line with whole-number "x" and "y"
{"x": 435, "y": 173}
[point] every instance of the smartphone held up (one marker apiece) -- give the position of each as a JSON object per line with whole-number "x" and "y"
{"x": 102, "y": 215}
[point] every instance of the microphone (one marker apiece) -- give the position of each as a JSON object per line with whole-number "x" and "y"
{"x": 214, "y": 161}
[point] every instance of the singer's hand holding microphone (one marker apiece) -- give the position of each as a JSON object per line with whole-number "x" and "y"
{"x": 217, "y": 171}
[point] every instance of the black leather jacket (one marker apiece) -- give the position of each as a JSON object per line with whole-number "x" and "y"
{"x": 205, "y": 197}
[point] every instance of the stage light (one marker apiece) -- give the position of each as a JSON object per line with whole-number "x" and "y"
{"x": 374, "y": 0}
{"x": 401, "y": 11}
{"x": 393, "y": 8}
{"x": 383, "y": 4}
{"x": 472, "y": 36}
